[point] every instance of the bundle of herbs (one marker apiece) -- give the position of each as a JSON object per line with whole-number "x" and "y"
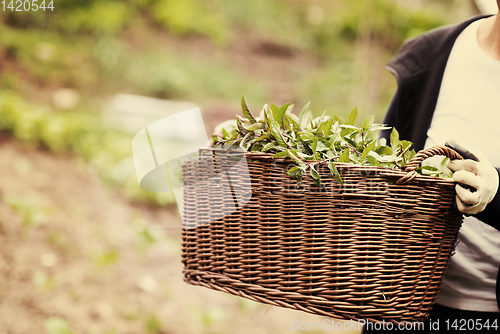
{"x": 308, "y": 141}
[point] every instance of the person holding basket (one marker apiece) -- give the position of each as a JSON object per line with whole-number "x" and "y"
{"x": 449, "y": 88}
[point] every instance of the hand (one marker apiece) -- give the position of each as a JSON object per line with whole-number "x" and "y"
{"x": 480, "y": 175}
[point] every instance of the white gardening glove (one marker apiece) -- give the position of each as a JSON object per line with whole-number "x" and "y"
{"x": 480, "y": 175}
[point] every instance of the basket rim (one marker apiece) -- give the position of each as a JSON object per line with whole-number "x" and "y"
{"x": 384, "y": 171}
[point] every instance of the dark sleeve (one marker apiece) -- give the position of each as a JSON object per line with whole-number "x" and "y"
{"x": 491, "y": 214}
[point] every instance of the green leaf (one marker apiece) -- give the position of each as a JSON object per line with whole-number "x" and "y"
{"x": 428, "y": 170}
{"x": 351, "y": 142}
{"x": 249, "y": 144}
{"x": 268, "y": 115}
{"x": 303, "y": 111}
{"x": 330, "y": 154}
{"x": 295, "y": 159}
{"x": 412, "y": 153}
{"x": 314, "y": 173}
{"x": 239, "y": 124}
{"x": 317, "y": 182}
{"x": 431, "y": 168}
{"x": 246, "y": 110}
{"x": 322, "y": 146}
{"x": 344, "y": 157}
{"x": 275, "y": 129}
{"x": 335, "y": 127}
{"x": 262, "y": 115}
{"x": 368, "y": 122}
{"x": 283, "y": 154}
{"x": 256, "y": 126}
{"x": 313, "y": 147}
{"x": 394, "y": 138}
{"x": 307, "y": 136}
{"x": 306, "y": 120}
{"x": 288, "y": 126}
{"x": 272, "y": 146}
{"x": 299, "y": 180}
{"x": 263, "y": 137}
{"x": 226, "y": 134}
{"x": 366, "y": 151}
{"x": 373, "y": 161}
{"x": 231, "y": 143}
{"x": 293, "y": 118}
{"x": 290, "y": 121}
{"x": 339, "y": 119}
{"x": 283, "y": 109}
{"x": 353, "y": 116}
{"x": 278, "y": 113}
{"x": 319, "y": 120}
{"x": 294, "y": 171}
{"x": 257, "y": 147}
{"x": 335, "y": 172}
{"x": 350, "y": 134}
{"x": 352, "y": 127}
{"x": 325, "y": 127}
{"x": 378, "y": 127}
{"x": 405, "y": 145}
{"x": 247, "y": 137}
{"x": 386, "y": 158}
{"x": 384, "y": 150}
{"x": 295, "y": 152}
{"x": 303, "y": 147}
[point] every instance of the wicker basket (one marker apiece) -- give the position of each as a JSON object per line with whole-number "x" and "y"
{"x": 373, "y": 248}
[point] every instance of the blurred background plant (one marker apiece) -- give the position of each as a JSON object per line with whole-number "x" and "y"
{"x": 60, "y": 69}
{"x": 70, "y": 61}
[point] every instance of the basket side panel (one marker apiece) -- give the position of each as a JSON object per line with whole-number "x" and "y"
{"x": 365, "y": 249}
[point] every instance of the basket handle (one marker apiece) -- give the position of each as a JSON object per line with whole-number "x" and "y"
{"x": 421, "y": 156}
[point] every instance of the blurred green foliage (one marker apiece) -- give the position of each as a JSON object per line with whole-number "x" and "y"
{"x": 152, "y": 324}
{"x": 106, "y": 258}
{"x": 29, "y": 210}
{"x": 57, "y": 325}
{"x": 323, "y": 26}
{"x": 83, "y": 134}
{"x": 105, "y": 17}
{"x": 144, "y": 235}
{"x": 383, "y": 20}
{"x": 173, "y": 75}
{"x": 42, "y": 281}
{"x": 312, "y": 24}
{"x": 87, "y": 45}
{"x": 190, "y": 17}
{"x": 102, "y": 47}
{"x": 98, "y": 17}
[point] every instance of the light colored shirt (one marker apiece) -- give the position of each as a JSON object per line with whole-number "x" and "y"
{"x": 468, "y": 110}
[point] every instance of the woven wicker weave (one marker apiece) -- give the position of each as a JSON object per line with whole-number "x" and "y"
{"x": 373, "y": 248}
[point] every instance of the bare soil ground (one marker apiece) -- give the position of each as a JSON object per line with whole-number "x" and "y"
{"x": 73, "y": 248}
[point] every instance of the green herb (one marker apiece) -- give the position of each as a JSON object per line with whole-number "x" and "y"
{"x": 309, "y": 141}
